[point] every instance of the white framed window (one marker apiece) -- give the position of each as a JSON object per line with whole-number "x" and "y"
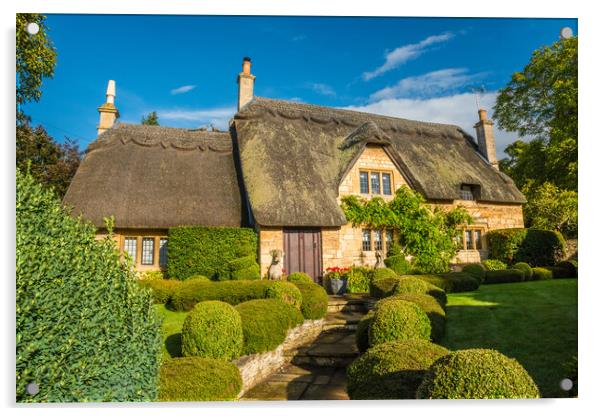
{"x": 130, "y": 246}
{"x": 376, "y": 182}
{"x": 148, "y": 251}
{"x": 163, "y": 252}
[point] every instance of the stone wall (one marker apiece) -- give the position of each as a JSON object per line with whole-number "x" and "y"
{"x": 257, "y": 367}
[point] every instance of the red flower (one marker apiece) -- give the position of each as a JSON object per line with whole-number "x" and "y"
{"x": 283, "y": 270}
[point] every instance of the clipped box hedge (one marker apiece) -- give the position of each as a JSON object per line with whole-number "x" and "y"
{"x": 362, "y": 340}
{"x": 398, "y": 264}
{"x": 542, "y": 273}
{"x": 504, "y": 276}
{"x": 398, "y": 320}
{"x": 190, "y": 292}
{"x": 476, "y": 270}
{"x": 265, "y": 323}
{"x": 161, "y": 289}
{"x": 207, "y": 250}
{"x": 392, "y": 370}
{"x": 314, "y": 304}
{"x": 533, "y": 246}
{"x": 433, "y": 310}
{"x": 198, "y": 379}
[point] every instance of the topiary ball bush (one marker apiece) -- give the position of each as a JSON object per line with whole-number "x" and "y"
{"x": 286, "y": 292}
{"x": 213, "y": 329}
{"x": 198, "y": 379}
{"x": 398, "y": 264}
{"x": 383, "y": 273}
{"x": 361, "y": 333}
{"x": 414, "y": 284}
{"x": 476, "y": 270}
{"x": 249, "y": 273}
{"x": 542, "y": 273}
{"x": 433, "y": 310}
{"x": 492, "y": 265}
{"x": 381, "y": 288}
{"x": 526, "y": 269}
{"x": 504, "y": 276}
{"x": 398, "y": 320}
{"x": 265, "y": 323}
{"x": 477, "y": 374}
{"x": 461, "y": 282}
{"x": 570, "y": 266}
{"x": 314, "y": 304}
{"x": 392, "y": 370}
{"x": 85, "y": 329}
{"x": 299, "y": 277}
{"x": 161, "y": 289}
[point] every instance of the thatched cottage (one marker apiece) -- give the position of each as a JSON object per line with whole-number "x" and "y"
{"x": 282, "y": 168}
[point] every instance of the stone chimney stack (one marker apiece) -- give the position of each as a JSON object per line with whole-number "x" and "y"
{"x": 108, "y": 111}
{"x": 246, "y": 82}
{"x": 485, "y": 139}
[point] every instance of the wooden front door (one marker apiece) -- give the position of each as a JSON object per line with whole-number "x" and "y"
{"x": 303, "y": 251}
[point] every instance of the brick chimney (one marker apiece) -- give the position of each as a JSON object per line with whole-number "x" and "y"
{"x": 246, "y": 82}
{"x": 485, "y": 138}
{"x": 108, "y": 111}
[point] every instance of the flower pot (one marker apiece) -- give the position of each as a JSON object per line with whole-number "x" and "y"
{"x": 338, "y": 286}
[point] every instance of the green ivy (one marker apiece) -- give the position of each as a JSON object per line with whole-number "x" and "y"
{"x": 429, "y": 235}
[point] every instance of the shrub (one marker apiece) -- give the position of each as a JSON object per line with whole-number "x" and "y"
{"x": 382, "y": 273}
{"x": 570, "y": 266}
{"x": 462, "y": 282}
{"x": 190, "y": 292}
{"x": 476, "y": 270}
{"x": 198, "y": 379}
{"x": 382, "y": 288}
{"x": 494, "y": 265}
{"x": 213, "y": 329}
{"x": 398, "y": 264}
{"x": 151, "y": 275}
{"x": 477, "y": 374}
{"x": 314, "y": 302}
{"x": 265, "y": 323}
{"x": 286, "y": 292}
{"x": 541, "y": 273}
{"x": 197, "y": 277}
{"x": 207, "y": 250}
{"x": 532, "y": 246}
{"x": 504, "y": 276}
{"x": 398, "y": 320}
{"x": 559, "y": 272}
{"x": 431, "y": 307}
{"x": 300, "y": 277}
{"x": 243, "y": 268}
{"x": 392, "y": 370}
{"x": 412, "y": 284}
{"x": 438, "y": 281}
{"x": 83, "y": 324}
{"x": 361, "y": 333}
{"x": 525, "y": 268}
{"x": 161, "y": 289}
{"x": 358, "y": 280}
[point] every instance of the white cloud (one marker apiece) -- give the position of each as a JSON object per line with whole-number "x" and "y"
{"x": 218, "y": 117}
{"x": 428, "y": 84}
{"x": 405, "y": 53}
{"x": 322, "y": 89}
{"x": 298, "y": 38}
{"x": 183, "y": 89}
{"x": 457, "y": 109}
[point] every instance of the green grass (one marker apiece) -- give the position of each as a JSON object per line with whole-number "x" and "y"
{"x": 533, "y": 322}
{"x": 171, "y": 330}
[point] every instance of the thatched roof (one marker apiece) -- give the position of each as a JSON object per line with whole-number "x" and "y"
{"x": 158, "y": 177}
{"x": 294, "y": 157}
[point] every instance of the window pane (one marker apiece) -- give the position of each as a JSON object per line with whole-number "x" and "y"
{"x": 366, "y": 241}
{"x": 163, "y": 252}
{"x": 130, "y": 247}
{"x": 148, "y": 251}
{"x": 466, "y": 192}
{"x": 378, "y": 240}
{"x": 387, "y": 183}
{"x": 468, "y": 239}
{"x": 364, "y": 182}
{"x": 477, "y": 239}
{"x": 389, "y": 237}
{"x": 375, "y": 182}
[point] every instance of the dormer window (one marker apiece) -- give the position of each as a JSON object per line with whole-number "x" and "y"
{"x": 468, "y": 192}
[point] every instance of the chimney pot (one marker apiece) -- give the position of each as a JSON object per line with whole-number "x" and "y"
{"x": 482, "y": 114}
{"x": 246, "y": 65}
{"x": 108, "y": 111}
{"x": 246, "y": 83}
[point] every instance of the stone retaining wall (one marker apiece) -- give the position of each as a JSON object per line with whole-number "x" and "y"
{"x": 257, "y": 367}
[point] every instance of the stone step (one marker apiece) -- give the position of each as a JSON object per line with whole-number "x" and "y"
{"x": 334, "y": 348}
{"x": 346, "y": 304}
{"x": 343, "y": 320}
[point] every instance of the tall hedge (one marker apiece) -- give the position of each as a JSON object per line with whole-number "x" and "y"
{"x": 529, "y": 245}
{"x": 207, "y": 250}
{"x": 85, "y": 331}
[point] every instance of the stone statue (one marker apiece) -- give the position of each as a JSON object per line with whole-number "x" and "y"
{"x": 380, "y": 263}
{"x": 275, "y": 270}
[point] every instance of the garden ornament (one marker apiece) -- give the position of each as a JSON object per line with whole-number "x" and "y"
{"x": 275, "y": 270}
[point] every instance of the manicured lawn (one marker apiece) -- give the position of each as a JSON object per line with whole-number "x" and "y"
{"x": 534, "y": 322}
{"x": 171, "y": 330}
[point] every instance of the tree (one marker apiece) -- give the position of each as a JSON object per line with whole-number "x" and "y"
{"x": 48, "y": 162}
{"x": 152, "y": 119}
{"x": 541, "y": 102}
{"x": 36, "y": 58}
{"x": 551, "y": 208}
{"x": 426, "y": 234}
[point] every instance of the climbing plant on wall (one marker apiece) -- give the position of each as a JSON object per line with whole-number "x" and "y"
{"x": 427, "y": 234}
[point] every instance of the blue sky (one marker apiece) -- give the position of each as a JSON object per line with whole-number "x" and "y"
{"x": 185, "y": 67}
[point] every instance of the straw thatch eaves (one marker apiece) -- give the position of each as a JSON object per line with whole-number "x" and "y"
{"x": 158, "y": 177}
{"x": 294, "y": 157}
